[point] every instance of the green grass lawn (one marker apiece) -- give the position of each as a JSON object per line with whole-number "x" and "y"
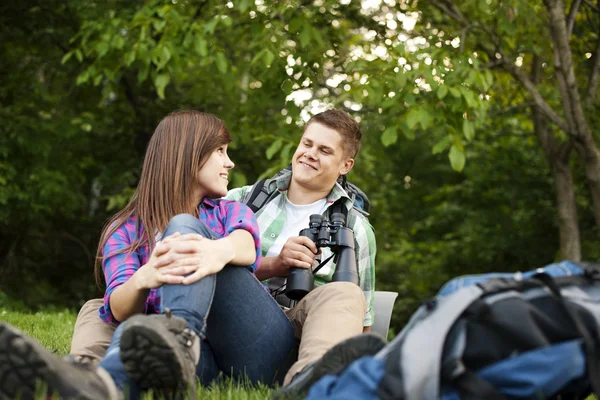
{"x": 53, "y": 329}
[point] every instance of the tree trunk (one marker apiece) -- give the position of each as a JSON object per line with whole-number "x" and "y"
{"x": 578, "y": 127}
{"x": 558, "y": 155}
{"x": 570, "y": 243}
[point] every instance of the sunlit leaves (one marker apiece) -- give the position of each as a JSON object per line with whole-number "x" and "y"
{"x": 160, "y": 82}
{"x": 457, "y": 158}
{"x": 389, "y": 136}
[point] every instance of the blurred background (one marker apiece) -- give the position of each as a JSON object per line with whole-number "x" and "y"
{"x": 479, "y": 120}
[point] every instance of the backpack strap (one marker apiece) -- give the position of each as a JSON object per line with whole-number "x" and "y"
{"x": 258, "y": 196}
{"x": 338, "y": 207}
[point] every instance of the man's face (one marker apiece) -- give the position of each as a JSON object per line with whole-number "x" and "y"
{"x": 319, "y": 159}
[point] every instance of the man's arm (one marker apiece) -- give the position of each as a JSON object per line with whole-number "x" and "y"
{"x": 365, "y": 250}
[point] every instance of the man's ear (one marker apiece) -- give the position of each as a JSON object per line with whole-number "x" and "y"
{"x": 348, "y": 164}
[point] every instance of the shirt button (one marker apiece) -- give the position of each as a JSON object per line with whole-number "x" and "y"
{"x": 272, "y": 236}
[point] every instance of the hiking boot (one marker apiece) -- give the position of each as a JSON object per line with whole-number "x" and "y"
{"x": 160, "y": 352}
{"x": 333, "y": 362}
{"x": 24, "y": 363}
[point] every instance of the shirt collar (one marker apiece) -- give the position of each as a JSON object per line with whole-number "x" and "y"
{"x": 282, "y": 183}
{"x": 208, "y": 202}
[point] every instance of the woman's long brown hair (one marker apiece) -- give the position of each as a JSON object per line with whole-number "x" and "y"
{"x": 181, "y": 144}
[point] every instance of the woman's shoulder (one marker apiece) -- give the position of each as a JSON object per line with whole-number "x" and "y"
{"x": 128, "y": 230}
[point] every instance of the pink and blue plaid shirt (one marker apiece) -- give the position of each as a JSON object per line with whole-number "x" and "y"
{"x": 221, "y": 216}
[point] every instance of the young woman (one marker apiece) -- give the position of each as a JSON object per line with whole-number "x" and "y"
{"x": 179, "y": 266}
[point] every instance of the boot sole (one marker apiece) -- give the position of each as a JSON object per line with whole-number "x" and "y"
{"x": 149, "y": 358}
{"x": 27, "y": 369}
{"x": 21, "y": 365}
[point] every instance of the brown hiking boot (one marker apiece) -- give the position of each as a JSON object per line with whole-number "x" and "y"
{"x": 160, "y": 352}
{"x": 333, "y": 362}
{"x": 24, "y": 363}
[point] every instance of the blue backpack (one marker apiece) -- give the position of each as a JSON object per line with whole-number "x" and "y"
{"x": 532, "y": 335}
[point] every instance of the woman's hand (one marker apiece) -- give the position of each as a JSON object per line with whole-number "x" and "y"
{"x": 153, "y": 274}
{"x": 176, "y": 257}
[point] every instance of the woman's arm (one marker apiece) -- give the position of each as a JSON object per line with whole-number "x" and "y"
{"x": 129, "y": 297}
{"x": 239, "y": 246}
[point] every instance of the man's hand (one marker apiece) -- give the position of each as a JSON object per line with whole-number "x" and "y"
{"x": 297, "y": 252}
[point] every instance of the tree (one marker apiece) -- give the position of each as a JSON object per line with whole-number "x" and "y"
{"x": 514, "y": 38}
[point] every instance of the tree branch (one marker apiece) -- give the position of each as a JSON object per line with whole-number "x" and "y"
{"x": 510, "y": 109}
{"x": 537, "y": 96}
{"x": 571, "y": 17}
{"x": 593, "y": 80}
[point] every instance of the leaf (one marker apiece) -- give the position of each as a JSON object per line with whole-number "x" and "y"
{"x": 268, "y": 58}
{"x": 129, "y": 58}
{"x": 165, "y": 56}
{"x": 143, "y": 73}
{"x": 489, "y": 77}
{"x": 468, "y": 129}
{"x": 78, "y": 55}
{"x": 454, "y": 92}
{"x": 401, "y": 79}
{"x": 287, "y": 86}
{"x": 161, "y": 81}
{"x": 200, "y": 46}
{"x": 227, "y": 21}
{"x": 102, "y": 49}
{"x": 441, "y": 145}
{"x": 159, "y": 25}
{"x": 469, "y": 97}
{"x": 221, "y": 62}
{"x": 211, "y": 25}
{"x": 413, "y": 117}
{"x": 296, "y": 24}
{"x": 305, "y": 35}
{"x": 82, "y": 78}
{"x": 244, "y": 5}
{"x": 318, "y": 37}
{"x": 285, "y": 152}
{"x": 66, "y": 57}
{"x": 457, "y": 158}
{"x": 389, "y": 136}
{"x": 442, "y": 91}
{"x": 273, "y": 148}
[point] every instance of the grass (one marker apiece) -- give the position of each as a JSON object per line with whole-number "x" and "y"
{"x": 53, "y": 329}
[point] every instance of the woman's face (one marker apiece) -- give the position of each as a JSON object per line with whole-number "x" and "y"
{"x": 213, "y": 177}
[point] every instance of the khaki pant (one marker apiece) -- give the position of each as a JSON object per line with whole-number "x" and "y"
{"x": 326, "y": 316}
{"x": 91, "y": 335}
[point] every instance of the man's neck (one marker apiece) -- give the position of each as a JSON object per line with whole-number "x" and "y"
{"x": 298, "y": 194}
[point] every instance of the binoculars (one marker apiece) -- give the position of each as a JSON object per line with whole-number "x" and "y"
{"x": 340, "y": 240}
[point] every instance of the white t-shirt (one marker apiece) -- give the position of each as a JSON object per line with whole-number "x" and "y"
{"x": 297, "y": 218}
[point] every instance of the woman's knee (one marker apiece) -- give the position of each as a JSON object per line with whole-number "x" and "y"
{"x": 187, "y": 223}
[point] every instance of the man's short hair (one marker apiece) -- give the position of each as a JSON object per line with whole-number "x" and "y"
{"x": 345, "y": 125}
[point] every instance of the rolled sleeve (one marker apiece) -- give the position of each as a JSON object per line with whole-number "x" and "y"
{"x": 239, "y": 216}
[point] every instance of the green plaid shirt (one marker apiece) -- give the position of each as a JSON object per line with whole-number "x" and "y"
{"x": 271, "y": 219}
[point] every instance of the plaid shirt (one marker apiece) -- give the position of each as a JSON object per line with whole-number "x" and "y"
{"x": 221, "y": 216}
{"x": 271, "y": 219}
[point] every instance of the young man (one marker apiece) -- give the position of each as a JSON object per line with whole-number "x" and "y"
{"x": 334, "y": 311}
{"x": 329, "y": 318}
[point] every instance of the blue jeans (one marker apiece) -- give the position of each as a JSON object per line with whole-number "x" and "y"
{"x": 246, "y": 333}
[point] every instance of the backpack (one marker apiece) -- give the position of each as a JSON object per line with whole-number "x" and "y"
{"x": 532, "y": 335}
{"x": 260, "y": 194}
